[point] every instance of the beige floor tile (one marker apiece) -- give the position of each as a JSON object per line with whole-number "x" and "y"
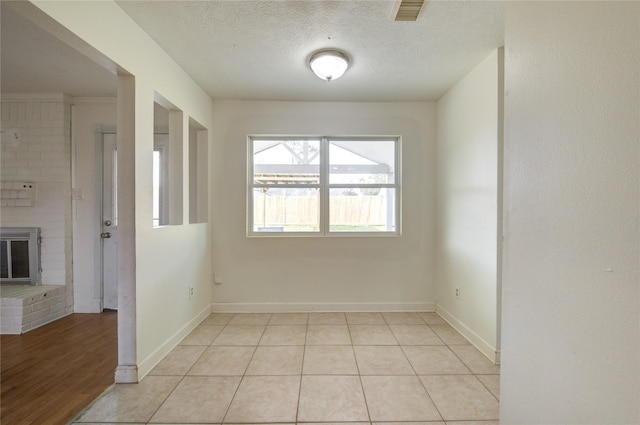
{"x": 247, "y": 319}
{"x": 289, "y": 319}
{"x": 283, "y": 360}
{"x": 284, "y": 335}
{"x": 403, "y": 318}
{"x": 449, "y": 335}
{"x": 263, "y": 399}
{"x": 223, "y": 361}
{"x": 218, "y": 319}
{"x": 365, "y": 319}
{"x": 398, "y": 398}
{"x": 472, "y": 423}
{"x": 327, "y": 319}
{"x": 329, "y": 360}
{"x": 344, "y": 423}
{"x": 475, "y": 360}
{"x": 239, "y": 335}
{"x": 382, "y": 360}
{"x": 432, "y": 319}
{"x": 461, "y": 397}
{"x": 415, "y": 335}
{"x": 434, "y": 360}
{"x": 410, "y": 423}
{"x": 198, "y": 399}
{"x": 131, "y": 402}
{"x": 492, "y": 382}
{"x": 179, "y": 360}
{"x": 328, "y": 335}
{"x": 372, "y": 335}
{"x": 331, "y": 399}
{"x": 107, "y": 423}
{"x": 202, "y": 335}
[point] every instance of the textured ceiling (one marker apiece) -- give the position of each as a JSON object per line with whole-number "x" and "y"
{"x": 260, "y": 49}
{"x": 33, "y": 61}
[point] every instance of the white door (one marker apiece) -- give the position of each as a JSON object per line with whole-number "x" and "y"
{"x": 109, "y": 234}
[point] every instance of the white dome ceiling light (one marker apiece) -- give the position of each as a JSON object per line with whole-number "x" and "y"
{"x": 329, "y": 64}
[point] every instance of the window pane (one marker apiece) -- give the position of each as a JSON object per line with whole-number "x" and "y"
{"x": 362, "y": 210}
{"x": 286, "y": 162}
{"x": 286, "y": 210}
{"x": 19, "y": 259}
{"x": 4, "y": 260}
{"x": 362, "y": 162}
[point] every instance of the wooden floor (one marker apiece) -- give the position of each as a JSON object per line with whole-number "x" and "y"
{"x": 51, "y": 373}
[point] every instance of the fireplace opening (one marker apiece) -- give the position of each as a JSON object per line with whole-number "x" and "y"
{"x": 20, "y": 255}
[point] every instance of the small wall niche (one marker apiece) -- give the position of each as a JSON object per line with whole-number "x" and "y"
{"x": 167, "y": 163}
{"x": 198, "y": 172}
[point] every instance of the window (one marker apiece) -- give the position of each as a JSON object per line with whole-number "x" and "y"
{"x": 198, "y": 173}
{"x": 323, "y": 186}
{"x": 167, "y": 163}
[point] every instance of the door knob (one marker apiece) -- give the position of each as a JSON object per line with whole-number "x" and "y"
{"x": 105, "y": 235}
{"x": 107, "y": 223}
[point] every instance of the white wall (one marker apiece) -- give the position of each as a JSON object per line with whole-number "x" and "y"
{"x": 469, "y": 143}
{"x": 571, "y": 289}
{"x": 306, "y": 273}
{"x": 88, "y": 114}
{"x": 155, "y": 310}
{"x": 41, "y": 154}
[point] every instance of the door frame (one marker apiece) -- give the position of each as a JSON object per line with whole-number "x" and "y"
{"x": 98, "y": 270}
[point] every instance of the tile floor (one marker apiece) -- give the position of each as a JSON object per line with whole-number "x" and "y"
{"x": 312, "y": 368}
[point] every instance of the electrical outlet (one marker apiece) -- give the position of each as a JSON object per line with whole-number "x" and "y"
{"x": 191, "y": 291}
{"x": 457, "y": 293}
{"x": 217, "y": 278}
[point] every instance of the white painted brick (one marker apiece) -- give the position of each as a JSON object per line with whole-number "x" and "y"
{"x": 24, "y": 125}
{"x": 36, "y": 315}
{"x": 46, "y": 302}
{"x": 18, "y": 163}
{"x": 22, "y": 111}
{"x": 13, "y": 115}
{"x": 57, "y": 171}
{"x": 37, "y": 323}
{"x": 5, "y": 111}
{"x": 35, "y": 111}
{"x": 11, "y": 311}
{"x": 10, "y": 302}
{"x": 29, "y": 154}
{"x": 44, "y": 111}
{"x": 11, "y": 320}
{"x": 55, "y": 155}
{"x": 24, "y": 203}
{"x": 29, "y": 111}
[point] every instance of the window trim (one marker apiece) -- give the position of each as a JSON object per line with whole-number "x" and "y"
{"x": 324, "y": 187}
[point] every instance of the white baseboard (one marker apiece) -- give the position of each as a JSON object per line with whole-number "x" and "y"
{"x": 146, "y": 365}
{"x": 475, "y": 339}
{"x": 319, "y": 307}
{"x": 92, "y": 306}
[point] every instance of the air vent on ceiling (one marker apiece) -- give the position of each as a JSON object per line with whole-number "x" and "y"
{"x": 407, "y": 10}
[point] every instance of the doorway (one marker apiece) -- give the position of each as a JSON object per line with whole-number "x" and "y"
{"x": 108, "y": 220}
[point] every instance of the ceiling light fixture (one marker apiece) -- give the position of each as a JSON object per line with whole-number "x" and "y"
{"x": 329, "y": 64}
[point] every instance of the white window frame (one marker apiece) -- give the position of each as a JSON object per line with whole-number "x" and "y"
{"x": 325, "y": 187}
